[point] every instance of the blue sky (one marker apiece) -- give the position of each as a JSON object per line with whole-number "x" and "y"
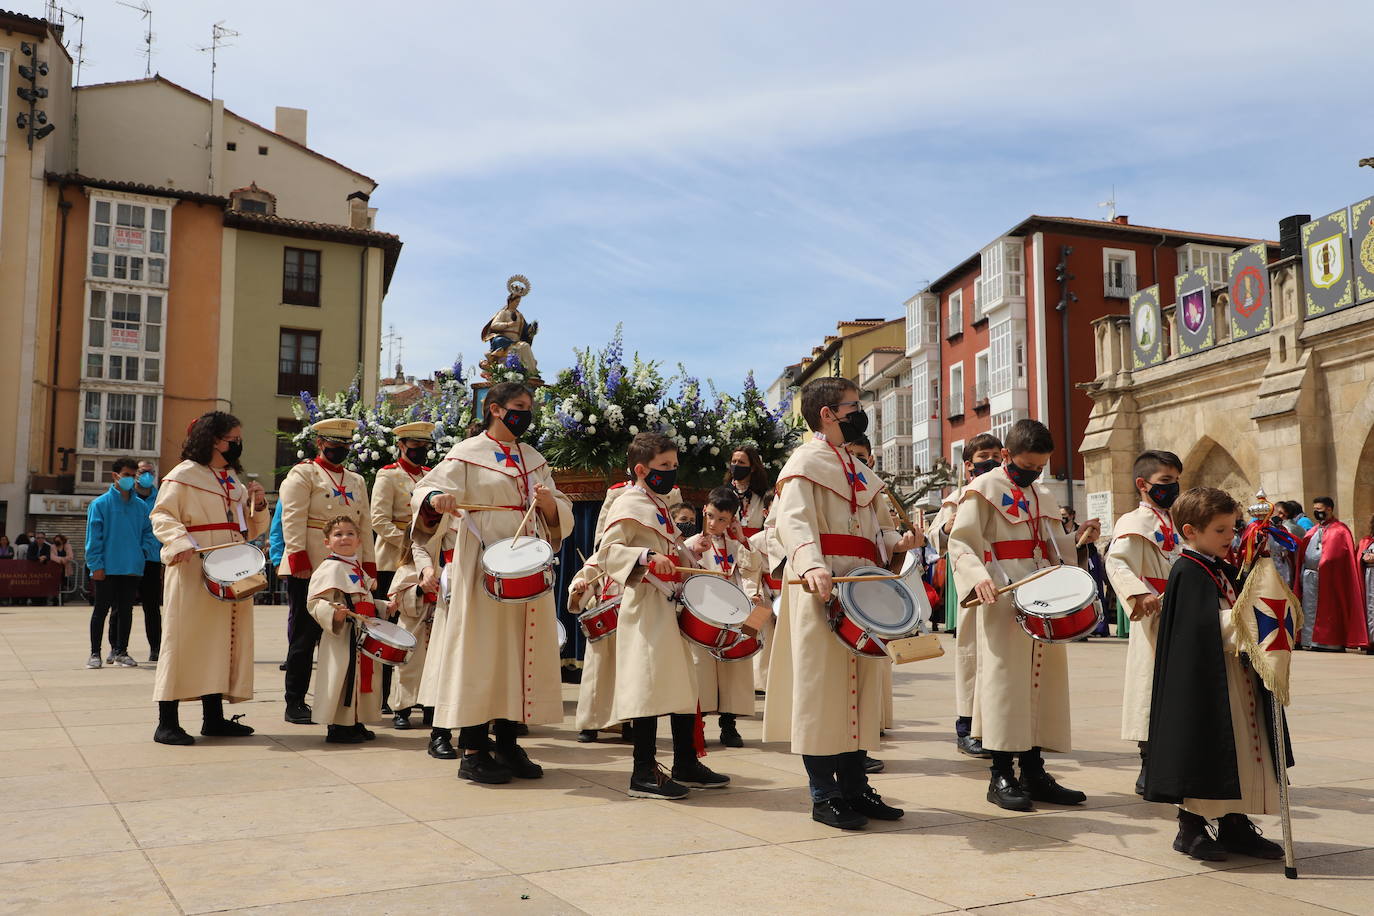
{"x": 730, "y": 179}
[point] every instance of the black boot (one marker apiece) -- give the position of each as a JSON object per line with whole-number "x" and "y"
{"x": 367, "y": 733}
{"x": 297, "y": 713}
{"x": 480, "y": 767}
{"x": 729, "y": 734}
{"x": 586, "y": 736}
{"x": 970, "y": 746}
{"x": 215, "y": 725}
{"x": 1238, "y": 834}
{"x": 441, "y": 744}
{"x": 1195, "y": 841}
{"x": 836, "y": 812}
{"x": 871, "y": 804}
{"x": 1140, "y": 780}
{"x": 402, "y": 719}
{"x": 343, "y": 734}
{"x": 1005, "y": 792}
{"x": 169, "y": 730}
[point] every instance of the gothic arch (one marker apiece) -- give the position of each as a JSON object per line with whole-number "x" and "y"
{"x": 1356, "y": 452}
{"x": 1209, "y": 464}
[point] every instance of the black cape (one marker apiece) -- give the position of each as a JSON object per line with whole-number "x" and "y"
{"x": 1192, "y": 749}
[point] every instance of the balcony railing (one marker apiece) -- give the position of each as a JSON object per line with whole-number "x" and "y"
{"x": 980, "y": 394}
{"x": 956, "y": 404}
{"x": 293, "y": 377}
{"x": 1118, "y": 286}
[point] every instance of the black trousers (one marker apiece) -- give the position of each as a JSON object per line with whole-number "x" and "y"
{"x": 150, "y": 596}
{"x": 114, "y": 595}
{"x": 645, "y": 735}
{"x": 304, "y": 634}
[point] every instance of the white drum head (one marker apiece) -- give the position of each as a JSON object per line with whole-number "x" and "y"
{"x": 522, "y": 556}
{"x": 390, "y": 633}
{"x": 562, "y": 633}
{"x": 230, "y": 564}
{"x": 715, "y": 600}
{"x": 1062, "y": 590}
{"x": 888, "y": 607}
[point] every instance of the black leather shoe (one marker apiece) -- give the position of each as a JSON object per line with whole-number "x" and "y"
{"x": 1238, "y": 834}
{"x": 298, "y": 714}
{"x": 697, "y": 775}
{"x": 518, "y": 762}
{"x": 401, "y": 720}
{"x": 1005, "y": 792}
{"x": 480, "y": 767}
{"x": 970, "y": 746}
{"x": 870, "y": 804}
{"x": 441, "y": 746}
{"x": 343, "y": 734}
{"x": 225, "y": 728}
{"x": 168, "y": 735}
{"x": 522, "y": 729}
{"x": 835, "y": 812}
{"x": 586, "y": 736}
{"x": 730, "y": 736}
{"x": 873, "y": 765}
{"x": 367, "y": 733}
{"x": 1140, "y": 783}
{"x": 386, "y": 709}
{"x": 1042, "y": 788}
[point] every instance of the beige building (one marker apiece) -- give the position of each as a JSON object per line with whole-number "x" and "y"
{"x": 1290, "y": 410}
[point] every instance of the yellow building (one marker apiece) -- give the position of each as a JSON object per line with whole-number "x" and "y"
{"x": 841, "y": 353}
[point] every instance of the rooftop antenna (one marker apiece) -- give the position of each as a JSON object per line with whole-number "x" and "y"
{"x": 56, "y": 12}
{"x": 1110, "y": 205}
{"x": 391, "y": 340}
{"x": 218, "y": 33}
{"x": 148, "y": 35}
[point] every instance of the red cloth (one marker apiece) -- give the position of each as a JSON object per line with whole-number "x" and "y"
{"x": 1340, "y": 594}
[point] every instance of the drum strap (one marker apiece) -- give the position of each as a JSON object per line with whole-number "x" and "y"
{"x": 352, "y": 655}
{"x": 215, "y": 526}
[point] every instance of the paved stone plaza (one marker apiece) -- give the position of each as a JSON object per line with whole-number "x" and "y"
{"x": 96, "y": 818}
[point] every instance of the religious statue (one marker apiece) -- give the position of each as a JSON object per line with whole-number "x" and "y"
{"x": 508, "y": 333}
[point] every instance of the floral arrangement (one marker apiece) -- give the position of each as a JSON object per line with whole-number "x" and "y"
{"x": 694, "y": 423}
{"x": 746, "y": 420}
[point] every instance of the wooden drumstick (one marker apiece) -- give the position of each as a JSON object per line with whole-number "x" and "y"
{"x": 973, "y": 599}
{"x": 699, "y": 571}
{"x": 523, "y": 522}
{"x": 464, "y": 507}
{"x": 849, "y": 579}
{"x": 216, "y": 547}
{"x": 1089, "y": 527}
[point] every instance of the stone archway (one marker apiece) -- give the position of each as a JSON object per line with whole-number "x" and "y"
{"x": 1210, "y": 464}
{"x": 1362, "y": 502}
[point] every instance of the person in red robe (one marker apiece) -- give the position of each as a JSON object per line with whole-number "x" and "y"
{"x": 1328, "y": 582}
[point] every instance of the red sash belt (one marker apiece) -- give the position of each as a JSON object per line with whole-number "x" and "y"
{"x": 447, "y": 556}
{"x": 217, "y": 526}
{"x": 774, "y": 584}
{"x": 749, "y": 532}
{"x": 1156, "y": 584}
{"x": 849, "y": 545}
{"x": 1014, "y": 550}
{"x": 367, "y": 609}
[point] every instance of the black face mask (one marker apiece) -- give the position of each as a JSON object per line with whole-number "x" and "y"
{"x": 854, "y": 426}
{"x": 234, "y": 452}
{"x": 1021, "y": 476}
{"x": 335, "y": 454}
{"x": 518, "y": 421}
{"x": 417, "y": 454}
{"x": 740, "y": 471}
{"x": 982, "y": 467}
{"x": 1320, "y": 515}
{"x": 661, "y": 482}
{"x": 687, "y": 529}
{"x": 1164, "y": 494}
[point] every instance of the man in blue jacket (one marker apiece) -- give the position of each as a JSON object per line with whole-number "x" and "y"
{"x": 119, "y": 538}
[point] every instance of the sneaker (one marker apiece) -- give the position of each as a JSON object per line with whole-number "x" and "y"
{"x": 518, "y": 762}
{"x": 170, "y": 735}
{"x": 730, "y": 736}
{"x": 656, "y": 783}
{"x": 297, "y": 713}
{"x": 1197, "y": 843}
{"x": 870, "y": 804}
{"x": 93, "y": 661}
{"x": 226, "y": 728}
{"x": 1005, "y": 792}
{"x": 873, "y": 764}
{"x": 1238, "y": 834}
{"x": 481, "y": 767}
{"x": 110, "y": 659}
{"x": 970, "y": 746}
{"x": 697, "y": 775}
{"x": 1042, "y": 788}
{"x": 835, "y": 812}
{"x": 124, "y": 661}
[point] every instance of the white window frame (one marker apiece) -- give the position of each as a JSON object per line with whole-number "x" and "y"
{"x": 956, "y": 454}
{"x": 956, "y": 312}
{"x": 920, "y": 393}
{"x": 1127, "y": 258}
{"x": 106, "y": 295}
{"x": 896, "y": 414}
{"x": 1003, "y": 272}
{"x": 920, "y": 456}
{"x": 1000, "y": 370}
{"x": 930, "y": 320}
{"x": 982, "y": 369}
{"x": 956, "y": 391}
{"x": 145, "y": 252}
{"x": 1215, "y": 257}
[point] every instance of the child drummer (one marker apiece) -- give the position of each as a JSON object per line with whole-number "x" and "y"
{"x": 1004, "y": 526}
{"x": 348, "y": 684}
{"x": 822, "y": 697}
{"x": 655, "y": 675}
{"x": 413, "y": 605}
{"x": 983, "y": 453}
{"x": 1145, "y": 545}
{"x": 725, "y": 687}
{"x": 1211, "y": 753}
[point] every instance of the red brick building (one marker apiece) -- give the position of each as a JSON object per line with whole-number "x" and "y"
{"x": 986, "y": 340}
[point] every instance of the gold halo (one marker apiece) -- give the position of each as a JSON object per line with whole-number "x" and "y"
{"x": 518, "y": 286}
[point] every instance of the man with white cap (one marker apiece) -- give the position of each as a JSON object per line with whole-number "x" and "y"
{"x": 315, "y": 491}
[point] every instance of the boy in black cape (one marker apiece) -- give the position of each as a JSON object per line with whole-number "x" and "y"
{"x": 1211, "y": 744}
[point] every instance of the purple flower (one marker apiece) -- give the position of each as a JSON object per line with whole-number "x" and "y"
{"x": 513, "y": 362}
{"x": 312, "y": 409}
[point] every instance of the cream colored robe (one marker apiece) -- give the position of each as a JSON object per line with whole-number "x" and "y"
{"x": 309, "y": 497}
{"x": 495, "y": 660}
{"x": 596, "y": 693}
{"x": 752, "y": 513}
{"x": 390, "y": 511}
{"x": 821, "y": 696}
{"x": 761, "y": 583}
{"x": 427, "y": 689}
{"x": 655, "y": 674}
{"x": 1021, "y": 697}
{"x": 207, "y": 644}
{"x": 415, "y": 614}
{"x": 726, "y": 686}
{"x": 966, "y": 622}
{"x": 614, "y": 492}
{"x": 329, "y": 583}
{"x": 1138, "y": 564}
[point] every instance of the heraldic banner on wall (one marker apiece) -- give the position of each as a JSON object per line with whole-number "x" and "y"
{"x": 1362, "y": 246}
{"x": 1326, "y": 270}
{"x": 1250, "y": 300}
{"x": 1193, "y": 311}
{"x": 1147, "y": 328}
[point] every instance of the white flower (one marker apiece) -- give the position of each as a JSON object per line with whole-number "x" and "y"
{"x": 591, "y": 418}
{"x": 681, "y": 442}
{"x": 634, "y": 430}
{"x": 672, "y": 431}
{"x": 714, "y": 450}
{"x": 300, "y": 454}
{"x": 692, "y": 440}
{"x": 591, "y": 430}
{"x": 651, "y": 410}
{"x": 577, "y": 415}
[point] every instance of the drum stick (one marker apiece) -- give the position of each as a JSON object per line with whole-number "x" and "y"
{"x": 217, "y": 547}
{"x": 523, "y": 522}
{"x": 973, "y": 599}
{"x": 699, "y": 571}
{"x": 901, "y": 513}
{"x": 464, "y": 507}
{"x": 848, "y": 579}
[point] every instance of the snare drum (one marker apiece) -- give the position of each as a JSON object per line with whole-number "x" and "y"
{"x": 518, "y": 569}
{"x": 234, "y": 573}
{"x": 1060, "y": 606}
{"x": 562, "y": 634}
{"x": 713, "y": 611}
{"x": 865, "y": 615}
{"x": 385, "y": 641}
{"x": 741, "y": 649}
{"x": 599, "y": 621}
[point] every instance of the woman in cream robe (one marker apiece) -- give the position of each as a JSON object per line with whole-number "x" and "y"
{"x": 725, "y": 687}
{"x": 596, "y": 693}
{"x": 414, "y": 609}
{"x": 341, "y": 580}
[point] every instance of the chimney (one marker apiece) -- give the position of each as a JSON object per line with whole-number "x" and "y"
{"x": 360, "y": 215}
{"x": 1121, "y": 220}
{"x": 291, "y": 123}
